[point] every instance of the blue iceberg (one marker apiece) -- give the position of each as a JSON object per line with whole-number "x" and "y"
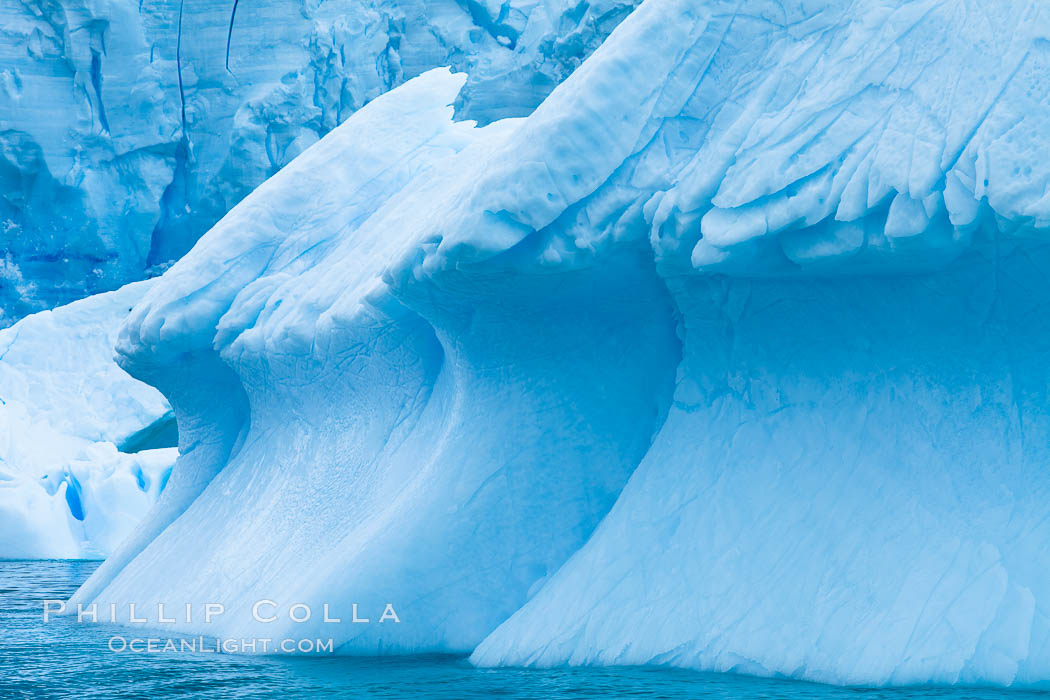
{"x": 730, "y": 355}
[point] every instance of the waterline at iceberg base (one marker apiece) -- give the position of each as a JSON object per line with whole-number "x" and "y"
{"x": 729, "y": 356}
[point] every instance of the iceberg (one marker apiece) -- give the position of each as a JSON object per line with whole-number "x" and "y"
{"x": 128, "y": 128}
{"x": 728, "y": 356}
{"x": 85, "y": 449}
{"x": 421, "y": 440}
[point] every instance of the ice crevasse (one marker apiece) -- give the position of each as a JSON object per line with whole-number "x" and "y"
{"x": 729, "y": 356}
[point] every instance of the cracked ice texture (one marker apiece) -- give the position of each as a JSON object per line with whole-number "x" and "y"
{"x": 126, "y": 132}
{"x": 728, "y": 356}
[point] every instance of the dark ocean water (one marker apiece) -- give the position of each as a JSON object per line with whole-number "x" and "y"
{"x": 65, "y": 660}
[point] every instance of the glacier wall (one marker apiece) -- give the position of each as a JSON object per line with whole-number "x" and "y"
{"x": 728, "y": 356}
{"x": 127, "y": 128}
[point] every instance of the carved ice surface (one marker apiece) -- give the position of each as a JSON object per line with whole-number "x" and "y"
{"x": 730, "y": 355}
{"x": 84, "y": 448}
{"x": 129, "y": 127}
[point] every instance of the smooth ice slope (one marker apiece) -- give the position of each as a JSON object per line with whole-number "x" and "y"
{"x": 778, "y": 269}
{"x": 66, "y": 490}
{"x": 851, "y": 487}
{"x": 128, "y": 128}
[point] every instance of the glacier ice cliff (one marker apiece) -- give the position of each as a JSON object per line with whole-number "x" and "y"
{"x": 730, "y": 355}
{"x": 128, "y": 128}
{"x": 84, "y": 449}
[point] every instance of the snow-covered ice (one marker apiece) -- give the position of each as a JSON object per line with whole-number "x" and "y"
{"x": 66, "y": 490}
{"x": 730, "y": 355}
